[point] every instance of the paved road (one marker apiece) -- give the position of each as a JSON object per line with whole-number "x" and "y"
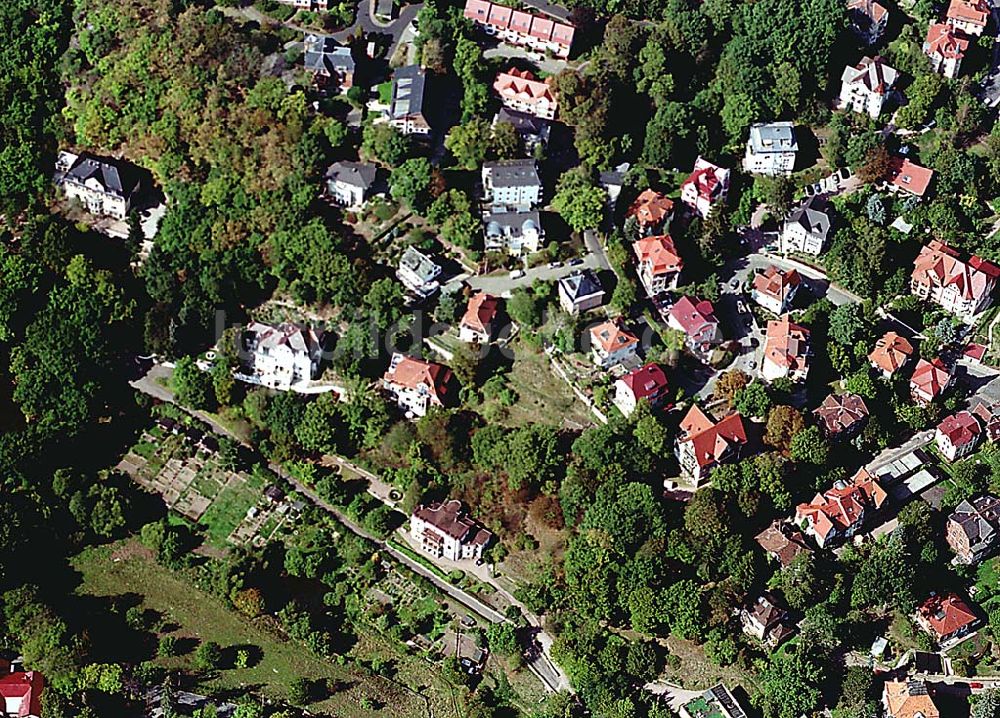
{"x": 540, "y": 663}
{"x": 550, "y": 65}
{"x": 500, "y": 283}
{"x": 368, "y": 23}
{"x": 894, "y": 452}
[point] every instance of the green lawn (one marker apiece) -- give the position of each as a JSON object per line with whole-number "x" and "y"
{"x": 229, "y": 508}
{"x": 125, "y": 567}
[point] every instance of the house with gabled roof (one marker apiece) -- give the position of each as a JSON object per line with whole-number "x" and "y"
{"x": 869, "y": 20}
{"x": 783, "y": 542}
{"x": 806, "y": 229}
{"x": 968, "y": 16}
{"x": 958, "y": 435}
{"x": 647, "y": 383}
{"x": 611, "y": 345}
{"x": 407, "y": 111}
{"x": 104, "y": 186}
{"x": 660, "y": 264}
{"x": 908, "y": 699}
{"x": 989, "y": 416}
{"x": 325, "y": 58}
{"x": 652, "y": 210}
{"x": 445, "y": 530}
{"x": 973, "y": 528}
{"x": 478, "y": 323}
{"x": 21, "y": 693}
{"x": 774, "y": 288}
{"x": 771, "y": 149}
{"x": 963, "y": 287}
{"x": 517, "y": 232}
{"x": 841, "y": 416}
{"x": 866, "y": 86}
{"x": 704, "y": 443}
{"x": 580, "y": 291}
{"x": 532, "y": 130}
{"x": 945, "y": 47}
{"x": 706, "y": 187}
{"x": 281, "y": 356}
{"x": 417, "y": 385}
{"x": 947, "y": 618}
{"x": 349, "y": 184}
{"x": 518, "y": 27}
{"x": 891, "y": 353}
{"x": 840, "y": 512}
{"x": 511, "y": 185}
{"x": 930, "y": 380}
{"x": 907, "y": 177}
{"x": 786, "y": 351}
{"x": 521, "y": 91}
{"x": 696, "y": 318}
{"x": 766, "y": 619}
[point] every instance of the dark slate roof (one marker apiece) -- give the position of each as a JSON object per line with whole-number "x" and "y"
{"x": 979, "y": 519}
{"x": 581, "y": 284}
{"x": 524, "y": 123}
{"x": 117, "y": 178}
{"x": 812, "y": 218}
{"x": 513, "y": 173}
{"x": 324, "y": 54}
{"x": 408, "y": 91}
{"x": 511, "y": 224}
{"x": 356, "y": 174}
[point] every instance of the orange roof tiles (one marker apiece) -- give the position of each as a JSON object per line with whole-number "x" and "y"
{"x": 659, "y": 251}
{"x": 482, "y": 310}
{"x": 787, "y": 344}
{"x": 891, "y": 352}
{"x": 610, "y": 337}
{"x": 651, "y": 208}
{"x": 711, "y": 440}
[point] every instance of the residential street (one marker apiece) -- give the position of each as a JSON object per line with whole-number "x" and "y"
{"x": 540, "y": 662}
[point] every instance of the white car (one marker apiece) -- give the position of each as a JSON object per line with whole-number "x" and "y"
{"x": 517, "y": 274}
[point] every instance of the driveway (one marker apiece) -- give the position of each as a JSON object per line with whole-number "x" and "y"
{"x": 368, "y": 23}
{"x": 500, "y": 284}
{"x": 547, "y": 64}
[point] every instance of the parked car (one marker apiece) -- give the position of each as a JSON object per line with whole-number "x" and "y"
{"x": 517, "y": 274}
{"x": 553, "y": 265}
{"x": 575, "y": 262}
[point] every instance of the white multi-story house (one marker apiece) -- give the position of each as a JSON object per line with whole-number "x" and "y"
{"x": 958, "y": 435}
{"x": 416, "y": 385}
{"x": 659, "y": 264}
{"x": 516, "y": 232}
{"x": 104, "y": 186}
{"x": 704, "y": 443}
{"x": 477, "y": 325}
{"x": 520, "y": 91}
{"x": 964, "y": 288}
{"x": 349, "y": 183}
{"x": 647, "y": 383}
{"x": 281, "y": 357}
{"x": 696, "y": 318}
{"x": 306, "y": 4}
{"x": 806, "y": 229}
{"x": 418, "y": 273}
{"x": 968, "y": 16}
{"x": 865, "y": 87}
{"x": 786, "y": 351}
{"x": 775, "y": 289}
{"x": 611, "y": 345}
{"x": 945, "y": 47}
{"x": 706, "y": 187}
{"x": 771, "y": 149}
{"x": 512, "y": 185}
{"x": 445, "y": 530}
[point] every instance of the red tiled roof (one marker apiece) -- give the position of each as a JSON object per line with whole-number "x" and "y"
{"x": 645, "y": 381}
{"x": 611, "y": 337}
{"x": 843, "y": 505}
{"x": 651, "y": 208}
{"x": 960, "y": 428}
{"x": 693, "y": 315}
{"x": 710, "y": 440}
{"x": 975, "y": 13}
{"x": 930, "y": 377}
{"x": 482, "y": 310}
{"x": 872, "y": 9}
{"x": 477, "y": 10}
{"x": 411, "y": 373}
{"x": 938, "y": 265}
{"x": 521, "y": 22}
{"x": 25, "y": 687}
{"x": 974, "y": 351}
{"x": 523, "y": 85}
{"x": 706, "y": 178}
{"x": 891, "y": 352}
{"x": 946, "y": 614}
{"x": 787, "y": 344}
{"x": 661, "y": 254}
{"x": 841, "y": 412}
{"x": 944, "y": 40}
{"x": 776, "y": 282}
{"x": 541, "y": 28}
{"x": 909, "y": 176}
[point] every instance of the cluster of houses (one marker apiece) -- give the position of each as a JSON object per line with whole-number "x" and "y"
{"x": 948, "y": 41}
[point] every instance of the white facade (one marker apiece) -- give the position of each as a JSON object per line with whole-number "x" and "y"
{"x": 805, "y": 230}
{"x": 771, "y": 149}
{"x": 865, "y": 87}
{"x": 282, "y": 356}
{"x": 446, "y": 531}
{"x": 102, "y": 186}
{"x": 418, "y": 273}
{"x": 512, "y": 184}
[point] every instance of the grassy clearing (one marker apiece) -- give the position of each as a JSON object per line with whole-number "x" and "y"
{"x": 544, "y": 398}
{"x": 229, "y": 507}
{"x": 125, "y": 568}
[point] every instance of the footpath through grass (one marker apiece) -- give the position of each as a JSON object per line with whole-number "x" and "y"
{"x": 126, "y": 567}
